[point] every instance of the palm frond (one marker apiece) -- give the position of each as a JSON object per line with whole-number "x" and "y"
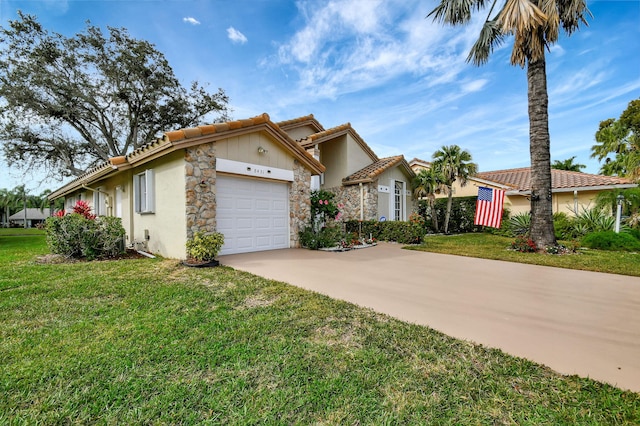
{"x": 572, "y": 13}
{"x": 490, "y": 37}
{"x": 520, "y": 16}
{"x": 550, "y": 8}
{"x": 455, "y": 12}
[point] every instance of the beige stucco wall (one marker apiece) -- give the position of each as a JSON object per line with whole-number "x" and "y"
{"x": 167, "y": 225}
{"x": 300, "y": 132}
{"x": 397, "y": 174}
{"x": 358, "y": 158}
{"x": 245, "y": 148}
{"x": 333, "y": 155}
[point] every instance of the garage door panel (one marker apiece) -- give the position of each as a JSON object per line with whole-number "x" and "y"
{"x": 252, "y": 214}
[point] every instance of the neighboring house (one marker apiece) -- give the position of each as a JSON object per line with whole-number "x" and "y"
{"x": 370, "y": 188}
{"x": 417, "y": 164}
{"x": 571, "y": 191}
{"x": 35, "y": 216}
{"x": 247, "y": 179}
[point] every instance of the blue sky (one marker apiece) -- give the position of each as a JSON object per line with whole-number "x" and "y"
{"x": 398, "y": 78}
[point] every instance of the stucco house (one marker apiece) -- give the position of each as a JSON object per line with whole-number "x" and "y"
{"x": 571, "y": 191}
{"x": 370, "y": 187}
{"x": 248, "y": 179}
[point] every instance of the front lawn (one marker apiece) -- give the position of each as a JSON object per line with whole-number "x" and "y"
{"x": 489, "y": 246}
{"x": 150, "y": 341}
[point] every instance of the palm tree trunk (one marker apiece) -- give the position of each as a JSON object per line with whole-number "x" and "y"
{"x": 448, "y": 214}
{"x": 542, "y": 232}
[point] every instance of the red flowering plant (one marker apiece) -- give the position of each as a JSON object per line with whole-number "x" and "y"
{"x": 83, "y": 208}
{"x": 323, "y": 208}
{"x": 524, "y": 244}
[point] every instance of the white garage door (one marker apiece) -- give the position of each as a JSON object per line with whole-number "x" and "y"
{"x": 252, "y": 214}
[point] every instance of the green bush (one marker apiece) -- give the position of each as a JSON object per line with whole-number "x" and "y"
{"x": 205, "y": 246}
{"x": 524, "y": 244}
{"x": 74, "y": 235}
{"x": 325, "y": 237}
{"x": 520, "y": 224}
{"x": 609, "y": 240}
{"x": 401, "y": 232}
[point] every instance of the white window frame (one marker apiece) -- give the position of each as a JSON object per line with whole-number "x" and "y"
{"x": 401, "y": 212}
{"x": 99, "y": 202}
{"x": 144, "y": 192}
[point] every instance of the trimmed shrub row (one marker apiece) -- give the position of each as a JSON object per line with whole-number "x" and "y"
{"x": 401, "y": 232}
{"x": 74, "y": 235}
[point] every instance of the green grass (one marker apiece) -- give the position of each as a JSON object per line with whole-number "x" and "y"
{"x": 489, "y": 246}
{"x": 149, "y": 341}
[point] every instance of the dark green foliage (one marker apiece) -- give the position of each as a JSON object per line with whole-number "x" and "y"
{"x": 75, "y": 236}
{"x": 563, "y": 226}
{"x": 72, "y": 102}
{"x": 326, "y": 237}
{"x": 463, "y": 210}
{"x": 398, "y": 231}
{"x": 609, "y": 240}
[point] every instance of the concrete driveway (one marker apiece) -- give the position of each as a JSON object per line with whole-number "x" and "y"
{"x": 575, "y": 322}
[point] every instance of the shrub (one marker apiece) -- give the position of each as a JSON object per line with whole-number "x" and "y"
{"x": 205, "y": 246}
{"x": 75, "y": 235}
{"x": 520, "y": 224}
{"x": 401, "y": 232}
{"x": 524, "y": 244}
{"x": 609, "y": 240}
{"x": 325, "y": 237}
{"x": 563, "y": 226}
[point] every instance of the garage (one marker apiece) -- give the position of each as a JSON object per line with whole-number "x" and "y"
{"x": 252, "y": 214}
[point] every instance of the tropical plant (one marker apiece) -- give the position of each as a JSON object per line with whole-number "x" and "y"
{"x": 592, "y": 220}
{"x": 608, "y": 200}
{"x": 609, "y": 240}
{"x": 72, "y": 102}
{"x": 426, "y": 184}
{"x": 452, "y": 164}
{"x": 535, "y": 25}
{"x": 568, "y": 165}
{"x": 204, "y": 247}
{"x": 520, "y": 224}
{"x": 618, "y": 143}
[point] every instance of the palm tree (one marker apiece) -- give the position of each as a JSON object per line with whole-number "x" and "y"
{"x": 454, "y": 164}
{"x": 567, "y": 165}
{"x": 535, "y": 25}
{"x": 426, "y": 184}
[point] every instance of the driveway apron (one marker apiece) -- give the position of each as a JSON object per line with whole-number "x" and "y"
{"x": 575, "y": 322}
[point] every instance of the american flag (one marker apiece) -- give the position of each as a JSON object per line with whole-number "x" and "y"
{"x": 489, "y": 207}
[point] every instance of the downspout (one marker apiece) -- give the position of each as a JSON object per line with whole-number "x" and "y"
{"x": 361, "y": 202}
{"x": 575, "y": 203}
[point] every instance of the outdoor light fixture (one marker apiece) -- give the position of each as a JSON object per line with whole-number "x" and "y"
{"x": 262, "y": 150}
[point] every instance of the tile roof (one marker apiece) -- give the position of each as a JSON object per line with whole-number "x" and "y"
{"x": 519, "y": 179}
{"x": 369, "y": 173}
{"x": 332, "y": 133}
{"x": 295, "y": 122}
{"x": 183, "y": 138}
{"x": 419, "y": 162}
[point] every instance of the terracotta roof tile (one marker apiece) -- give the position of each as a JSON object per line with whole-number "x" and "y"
{"x": 520, "y": 179}
{"x": 298, "y": 120}
{"x": 369, "y": 173}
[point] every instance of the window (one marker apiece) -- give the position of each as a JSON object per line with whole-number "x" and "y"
{"x": 99, "y": 202}
{"x": 397, "y": 199}
{"x": 143, "y": 191}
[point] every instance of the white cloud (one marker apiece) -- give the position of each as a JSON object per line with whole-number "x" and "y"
{"x": 191, "y": 20}
{"x": 236, "y": 36}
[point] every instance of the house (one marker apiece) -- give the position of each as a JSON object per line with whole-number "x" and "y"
{"x": 571, "y": 191}
{"x": 248, "y": 179}
{"x": 34, "y": 216}
{"x": 417, "y": 164}
{"x": 371, "y": 188}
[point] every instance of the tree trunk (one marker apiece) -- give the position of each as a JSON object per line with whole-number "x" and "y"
{"x": 542, "y": 232}
{"x": 448, "y": 214}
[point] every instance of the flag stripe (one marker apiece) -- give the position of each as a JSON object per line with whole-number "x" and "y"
{"x": 489, "y": 207}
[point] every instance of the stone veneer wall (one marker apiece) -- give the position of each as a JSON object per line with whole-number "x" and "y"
{"x": 200, "y": 167}
{"x": 350, "y": 197}
{"x": 299, "y": 202}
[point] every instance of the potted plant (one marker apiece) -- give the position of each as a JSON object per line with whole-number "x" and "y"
{"x": 202, "y": 248}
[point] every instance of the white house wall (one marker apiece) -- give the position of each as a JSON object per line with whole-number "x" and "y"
{"x": 385, "y": 179}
